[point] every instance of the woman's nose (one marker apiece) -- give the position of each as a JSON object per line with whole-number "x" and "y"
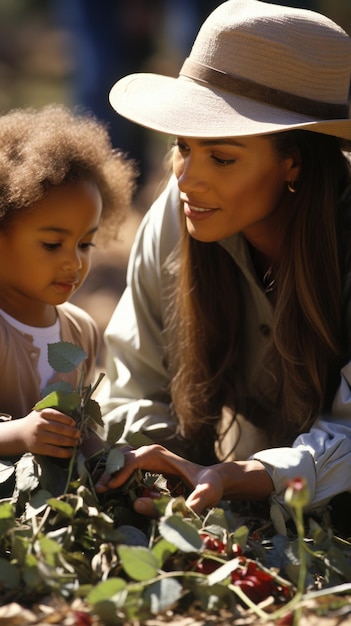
{"x": 191, "y": 177}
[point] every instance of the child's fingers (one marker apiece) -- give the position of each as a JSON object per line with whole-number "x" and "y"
{"x": 53, "y": 415}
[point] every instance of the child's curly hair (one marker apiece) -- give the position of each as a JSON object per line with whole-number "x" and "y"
{"x": 54, "y": 145}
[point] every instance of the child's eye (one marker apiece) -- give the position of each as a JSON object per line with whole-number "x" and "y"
{"x": 50, "y": 246}
{"x": 86, "y": 245}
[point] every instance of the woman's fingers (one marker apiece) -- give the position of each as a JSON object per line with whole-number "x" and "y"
{"x": 145, "y": 506}
{"x": 113, "y": 481}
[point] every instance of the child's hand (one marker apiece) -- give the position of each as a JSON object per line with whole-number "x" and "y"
{"x": 49, "y": 432}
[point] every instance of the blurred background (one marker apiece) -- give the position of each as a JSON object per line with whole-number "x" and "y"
{"x": 72, "y": 51}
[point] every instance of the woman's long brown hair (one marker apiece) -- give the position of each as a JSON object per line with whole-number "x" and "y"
{"x": 308, "y": 345}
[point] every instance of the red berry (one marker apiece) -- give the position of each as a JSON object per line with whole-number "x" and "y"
{"x": 236, "y": 549}
{"x": 256, "y": 583}
{"x": 82, "y": 618}
{"x": 206, "y": 566}
{"x": 211, "y": 543}
{"x": 147, "y": 492}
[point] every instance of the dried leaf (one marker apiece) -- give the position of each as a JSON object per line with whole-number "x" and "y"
{"x": 7, "y": 469}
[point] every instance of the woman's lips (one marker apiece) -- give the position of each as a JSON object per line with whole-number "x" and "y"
{"x": 197, "y": 212}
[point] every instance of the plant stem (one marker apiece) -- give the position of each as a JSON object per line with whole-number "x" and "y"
{"x": 302, "y": 558}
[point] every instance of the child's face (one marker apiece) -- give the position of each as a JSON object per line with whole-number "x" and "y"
{"x": 46, "y": 252}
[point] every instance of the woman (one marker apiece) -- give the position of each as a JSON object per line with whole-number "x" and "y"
{"x": 228, "y": 343}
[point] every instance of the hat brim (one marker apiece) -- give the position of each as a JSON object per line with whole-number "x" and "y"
{"x": 187, "y": 108}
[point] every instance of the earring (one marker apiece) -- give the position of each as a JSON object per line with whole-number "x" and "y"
{"x": 291, "y": 186}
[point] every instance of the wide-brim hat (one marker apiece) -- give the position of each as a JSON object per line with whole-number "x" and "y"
{"x": 254, "y": 68}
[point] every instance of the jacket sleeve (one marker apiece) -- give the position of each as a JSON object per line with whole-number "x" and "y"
{"x": 136, "y": 355}
{"x": 322, "y": 456}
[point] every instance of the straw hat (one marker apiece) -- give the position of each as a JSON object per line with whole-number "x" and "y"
{"x": 254, "y": 68}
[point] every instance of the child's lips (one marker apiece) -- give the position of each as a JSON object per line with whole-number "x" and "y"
{"x": 65, "y": 287}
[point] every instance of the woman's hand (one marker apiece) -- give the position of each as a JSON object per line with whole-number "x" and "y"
{"x": 46, "y": 432}
{"x": 154, "y": 458}
{"x": 210, "y": 484}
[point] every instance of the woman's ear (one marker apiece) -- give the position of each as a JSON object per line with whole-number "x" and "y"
{"x": 293, "y": 168}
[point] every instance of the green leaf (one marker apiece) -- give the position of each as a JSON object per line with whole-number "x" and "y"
{"x": 50, "y": 401}
{"x": 92, "y": 408}
{"x": 9, "y": 575}
{"x": 240, "y": 536}
{"x": 136, "y": 440}
{"x": 211, "y": 599}
{"x": 49, "y": 549}
{"x": 64, "y": 356}
{"x": 164, "y": 505}
{"x": 65, "y": 402}
{"x": 138, "y": 562}
{"x": 53, "y": 474}
{"x": 69, "y": 402}
{"x": 106, "y": 610}
{"x": 7, "y": 517}
{"x": 115, "y": 460}
{"x": 31, "y": 574}
{"x": 216, "y": 517}
{"x": 60, "y": 386}
{"x": 61, "y": 507}
{"x": 20, "y": 546}
{"x": 162, "y": 550}
{"x": 106, "y": 590}
{"x": 181, "y": 533}
{"x": 115, "y": 432}
{"x": 37, "y": 504}
{"x": 132, "y": 536}
{"x": 106, "y": 598}
{"x": 163, "y": 594}
{"x": 174, "y": 506}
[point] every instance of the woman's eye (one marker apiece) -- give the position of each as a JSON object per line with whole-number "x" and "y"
{"x": 182, "y": 147}
{"x": 222, "y": 161}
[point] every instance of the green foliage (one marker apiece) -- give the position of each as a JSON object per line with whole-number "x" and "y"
{"x": 127, "y": 567}
{"x": 70, "y": 542}
{"x": 49, "y": 473}
{"x": 64, "y": 356}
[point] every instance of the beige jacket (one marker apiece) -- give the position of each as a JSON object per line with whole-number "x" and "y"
{"x": 19, "y": 377}
{"x": 136, "y": 343}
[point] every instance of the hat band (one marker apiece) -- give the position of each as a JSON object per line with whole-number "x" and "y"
{"x": 268, "y": 95}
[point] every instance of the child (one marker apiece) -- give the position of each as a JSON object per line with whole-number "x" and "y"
{"x": 60, "y": 182}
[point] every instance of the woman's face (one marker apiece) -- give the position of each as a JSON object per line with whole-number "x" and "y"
{"x": 234, "y": 185}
